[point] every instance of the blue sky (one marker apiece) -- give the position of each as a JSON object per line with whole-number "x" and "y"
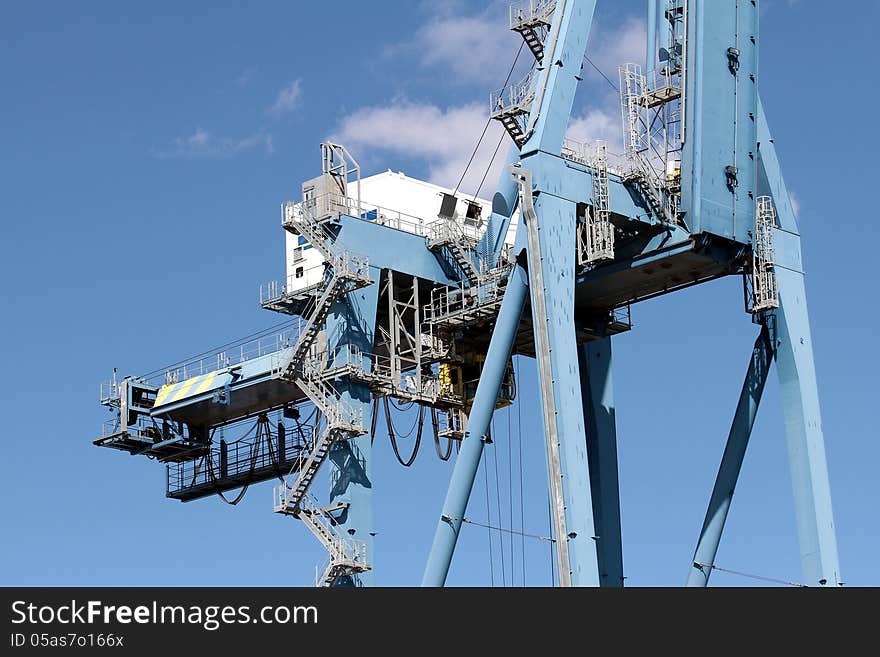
{"x": 145, "y": 151}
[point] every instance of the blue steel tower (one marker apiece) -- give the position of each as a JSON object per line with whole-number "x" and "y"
{"x": 402, "y": 306}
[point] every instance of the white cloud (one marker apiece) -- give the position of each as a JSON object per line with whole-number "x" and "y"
{"x": 289, "y": 98}
{"x": 594, "y": 125}
{"x": 202, "y": 143}
{"x": 471, "y": 48}
{"x": 795, "y": 203}
{"x": 442, "y": 138}
{"x": 610, "y": 49}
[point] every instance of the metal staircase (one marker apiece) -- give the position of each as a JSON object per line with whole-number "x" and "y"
{"x": 304, "y": 219}
{"x": 596, "y": 234}
{"x": 531, "y": 19}
{"x": 345, "y": 273}
{"x": 448, "y": 235}
{"x": 651, "y": 111}
{"x": 649, "y": 192}
{"x": 347, "y": 556}
{"x": 512, "y": 106}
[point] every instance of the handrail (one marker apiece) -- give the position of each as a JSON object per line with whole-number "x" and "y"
{"x": 224, "y": 358}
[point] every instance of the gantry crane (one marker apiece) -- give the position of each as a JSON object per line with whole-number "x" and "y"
{"x": 416, "y": 308}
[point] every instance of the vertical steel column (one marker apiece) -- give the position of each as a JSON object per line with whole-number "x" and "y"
{"x": 803, "y": 427}
{"x": 597, "y": 390}
{"x": 731, "y": 461}
{"x": 551, "y": 255}
{"x": 468, "y": 460}
{"x": 350, "y": 331}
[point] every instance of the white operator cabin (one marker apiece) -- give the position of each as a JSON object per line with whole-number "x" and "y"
{"x": 400, "y": 202}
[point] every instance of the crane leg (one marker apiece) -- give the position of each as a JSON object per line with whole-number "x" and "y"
{"x": 468, "y": 460}
{"x": 594, "y": 359}
{"x": 731, "y": 461}
{"x": 550, "y": 227}
{"x": 803, "y": 426}
{"x": 797, "y": 379}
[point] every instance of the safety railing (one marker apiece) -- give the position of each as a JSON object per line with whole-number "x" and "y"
{"x": 240, "y": 353}
{"x": 531, "y": 12}
{"x": 622, "y": 317}
{"x": 334, "y": 203}
{"x": 243, "y": 458}
{"x": 109, "y": 393}
{"x": 144, "y": 428}
{"x": 346, "y": 360}
{"x": 514, "y": 98}
{"x": 450, "y": 302}
{"x": 295, "y": 285}
{"x": 445, "y": 230}
{"x": 585, "y": 153}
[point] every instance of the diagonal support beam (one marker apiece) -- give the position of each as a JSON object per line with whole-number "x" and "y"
{"x": 731, "y": 461}
{"x": 797, "y": 379}
{"x": 803, "y": 428}
{"x": 465, "y": 471}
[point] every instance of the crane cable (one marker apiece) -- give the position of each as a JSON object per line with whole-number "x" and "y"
{"x": 522, "y": 517}
{"x": 435, "y": 423}
{"x": 488, "y": 123}
{"x": 498, "y": 501}
{"x": 253, "y": 336}
{"x": 391, "y": 434}
{"x": 374, "y": 419}
{"x": 254, "y": 454}
{"x": 489, "y": 521}
{"x": 762, "y": 578}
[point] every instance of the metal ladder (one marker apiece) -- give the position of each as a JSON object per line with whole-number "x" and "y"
{"x": 596, "y": 234}
{"x": 529, "y": 18}
{"x": 765, "y": 288}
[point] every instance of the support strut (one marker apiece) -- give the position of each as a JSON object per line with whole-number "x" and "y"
{"x": 731, "y": 461}
{"x": 468, "y": 460}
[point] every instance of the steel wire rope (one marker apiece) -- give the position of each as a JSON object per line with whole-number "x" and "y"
{"x": 489, "y": 516}
{"x": 509, "y": 412}
{"x": 600, "y": 72}
{"x": 749, "y": 575}
{"x": 469, "y": 521}
{"x": 522, "y": 517}
{"x": 550, "y": 524}
{"x": 498, "y": 501}
{"x": 488, "y": 122}
{"x": 489, "y": 166}
{"x": 253, "y": 336}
